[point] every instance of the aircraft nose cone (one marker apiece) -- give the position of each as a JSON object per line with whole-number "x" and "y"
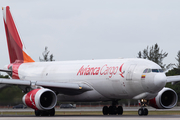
{"x": 159, "y": 81}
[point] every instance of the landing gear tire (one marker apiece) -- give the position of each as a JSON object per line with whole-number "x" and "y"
{"x": 37, "y": 112}
{"x": 140, "y": 112}
{"x": 112, "y": 110}
{"x": 119, "y": 110}
{"x": 105, "y": 110}
{"x": 143, "y": 111}
{"x": 45, "y": 113}
{"x": 52, "y": 112}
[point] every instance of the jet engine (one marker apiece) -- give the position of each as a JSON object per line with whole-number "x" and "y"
{"x": 40, "y": 99}
{"x": 166, "y": 99}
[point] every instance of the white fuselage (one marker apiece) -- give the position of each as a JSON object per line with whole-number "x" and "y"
{"x": 109, "y": 78}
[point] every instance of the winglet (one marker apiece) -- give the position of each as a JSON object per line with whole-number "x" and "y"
{"x": 15, "y": 45}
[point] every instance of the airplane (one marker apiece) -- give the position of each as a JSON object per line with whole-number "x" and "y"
{"x": 45, "y": 83}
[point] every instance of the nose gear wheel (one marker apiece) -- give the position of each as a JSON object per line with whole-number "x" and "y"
{"x": 143, "y": 110}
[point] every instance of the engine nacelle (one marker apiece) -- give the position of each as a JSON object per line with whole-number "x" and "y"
{"x": 166, "y": 99}
{"x": 40, "y": 99}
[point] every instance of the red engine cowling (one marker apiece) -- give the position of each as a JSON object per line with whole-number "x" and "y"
{"x": 40, "y": 99}
{"x": 166, "y": 99}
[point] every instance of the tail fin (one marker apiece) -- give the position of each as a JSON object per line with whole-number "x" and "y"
{"x": 15, "y": 46}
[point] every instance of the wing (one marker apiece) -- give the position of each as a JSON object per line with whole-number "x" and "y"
{"x": 173, "y": 79}
{"x": 59, "y": 87}
{"x": 6, "y": 70}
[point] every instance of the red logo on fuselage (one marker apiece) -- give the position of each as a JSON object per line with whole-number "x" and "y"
{"x": 104, "y": 70}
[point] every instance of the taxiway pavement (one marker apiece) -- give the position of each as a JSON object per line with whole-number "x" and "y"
{"x": 88, "y": 109}
{"x": 128, "y": 117}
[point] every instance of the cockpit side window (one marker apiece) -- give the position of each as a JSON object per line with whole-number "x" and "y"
{"x": 153, "y": 70}
{"x": 145, "y": 71}
{"x": 149, "y": 70}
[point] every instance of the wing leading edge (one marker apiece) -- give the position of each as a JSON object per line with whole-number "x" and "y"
{"x": 173, "y": 79}
{"x": 59, "y": 87}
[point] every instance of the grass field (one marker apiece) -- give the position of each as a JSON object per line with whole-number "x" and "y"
{"x": 95, "y": 113}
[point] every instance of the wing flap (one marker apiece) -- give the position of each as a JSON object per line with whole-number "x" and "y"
{"x": 5, "y": 70}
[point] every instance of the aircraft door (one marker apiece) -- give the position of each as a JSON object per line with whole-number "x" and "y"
{"x": 130, "y": 72}
{"x": 147, "y": 79}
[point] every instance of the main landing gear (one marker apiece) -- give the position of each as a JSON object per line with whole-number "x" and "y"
{"x": 143, "y": 110}
{"x": 112, "y": 110}
{"x": 45, "y": 113}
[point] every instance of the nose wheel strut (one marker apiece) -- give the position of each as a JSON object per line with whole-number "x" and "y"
{"x": 143, "y": 110}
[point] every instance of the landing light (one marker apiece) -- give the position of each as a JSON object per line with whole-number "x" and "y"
{"x": 143, "y": 100}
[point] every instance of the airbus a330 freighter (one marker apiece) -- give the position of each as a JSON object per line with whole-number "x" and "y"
{"x": 45, "y": 83}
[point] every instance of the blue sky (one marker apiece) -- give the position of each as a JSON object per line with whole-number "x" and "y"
{"x": 94, "y": 29}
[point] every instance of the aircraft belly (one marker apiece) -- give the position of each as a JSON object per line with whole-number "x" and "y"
{"x": 134, "y": 88}
{"x": 110, "y": 89}
{"x": 88, "y": 96}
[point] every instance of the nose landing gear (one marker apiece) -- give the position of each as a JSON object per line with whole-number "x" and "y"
{"x": 143, "y": 110}
{"x": 112, "y": 110}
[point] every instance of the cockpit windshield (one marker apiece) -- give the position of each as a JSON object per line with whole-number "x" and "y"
{"x": 148, "y": 70}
